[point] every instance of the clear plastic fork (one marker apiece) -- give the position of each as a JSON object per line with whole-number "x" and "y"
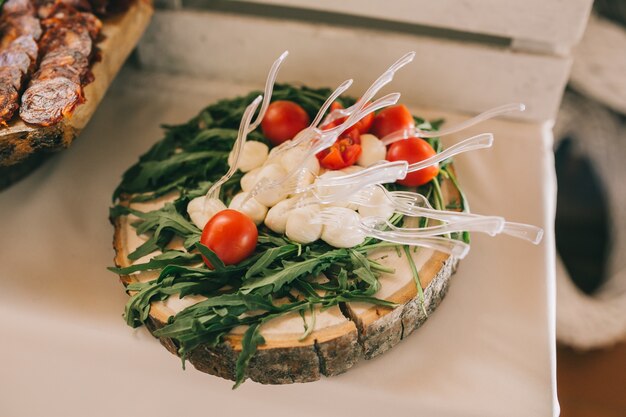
{"x": 482, "y": 141}
{"x": 244, "y": 128}
{"x": 383, "y": 230}
{"x": 415, "y": 204}
{"x": 417, "y": 132}
{"x": 269, "y": 88}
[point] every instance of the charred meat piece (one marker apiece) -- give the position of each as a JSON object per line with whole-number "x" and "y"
{"x": 14, "y": 26}
{"x": 17, "y": 7}
{"x": 74, "y": 38}
{"x": 46, "y": 102}
{"x": 18, "y": 52}
{"x": 10, "y": 82}
{"x": 67, "y": 48}
{"x": 21, "y": 53}
{"x": 64, "y": 63}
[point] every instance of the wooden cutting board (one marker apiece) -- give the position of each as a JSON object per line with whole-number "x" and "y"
{"x": 24, "y": 143}
{"x": 342, "y": 336}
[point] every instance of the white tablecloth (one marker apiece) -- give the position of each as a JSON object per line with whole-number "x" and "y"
{"x": 487, "y": 351}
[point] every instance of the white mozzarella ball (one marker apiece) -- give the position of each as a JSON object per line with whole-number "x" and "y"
{"x": 372, "y": 150}
{"x": 201, "y": 210}
{"x": 253, "y": 155}
{"x": 272, "y": 196}
{"x": 343, "y": 235}
{"x": 293, "y": 158}
{"x": 300, "y": 227}
{"x": 252, "y": 208}
{"x": 276, "y": 218}
{"x": 249, "y": 179}
{"x": 379, "y": 205}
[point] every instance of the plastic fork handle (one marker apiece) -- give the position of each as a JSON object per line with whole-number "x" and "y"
{"x": 489, "y": 225}
{"x": 269, "y": 87}
{"x": 378, "y": 174}
{"x": 446, "y": 216}
{"x": 489, "y": 114}
{"x": 456, "y": 248}
{"x": 214, "y": 191}
{"x": 481, "y": 141}
{"x": 330, "y": 100}
{"x": 527, "y": 232}
{"x": 404, "y": 60}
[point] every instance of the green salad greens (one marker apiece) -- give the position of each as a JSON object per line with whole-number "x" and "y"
{"x": 187, "y": 161}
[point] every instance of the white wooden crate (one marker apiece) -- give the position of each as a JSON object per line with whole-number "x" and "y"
{"x": 473, "y": 61}
{"x": 545, "y": 25}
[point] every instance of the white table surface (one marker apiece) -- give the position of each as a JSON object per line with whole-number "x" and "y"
{"x": 65, "y": 350}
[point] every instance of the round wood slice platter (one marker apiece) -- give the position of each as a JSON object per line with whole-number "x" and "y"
{"x": 342, "y": 336}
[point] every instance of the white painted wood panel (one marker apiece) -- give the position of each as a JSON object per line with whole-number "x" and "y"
{"x": 446, "y": 74}
{"x": 559, "y": 23}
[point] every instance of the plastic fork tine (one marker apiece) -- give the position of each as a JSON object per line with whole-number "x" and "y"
{"x": 416, "y": 132}
{"x": 244, "y": 126}
{"x": 269, "y": 88}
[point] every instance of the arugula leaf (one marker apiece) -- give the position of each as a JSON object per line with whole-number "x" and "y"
{"x": 217, "y": 263}
{"x": 173, "y": 257}
{"x": 268, "y": 257}
{"x": 416, "y": 277}
{"x": 163, "y": 224}
{"x": 251, "y": 340}
{"x": 290, "y": 270}
{"x": 363, "y": 270}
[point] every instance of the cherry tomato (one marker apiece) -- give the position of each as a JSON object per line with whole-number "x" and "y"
{"x": 414, "y": 150}
{"x": 363, "y": 126}
{"x": 283, "y": 120}
{"x": 391, "y": 120}
{"x": 231, "y": 235}
{"x": 344, "y": 152}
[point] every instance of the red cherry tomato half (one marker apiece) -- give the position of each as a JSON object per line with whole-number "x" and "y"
{"x": 344, "y": 152}
{"x": 392, "y": 119}
{"x": 231, "y": 235}
{"x": 283, "y": 120}
{"x": 362, "y": 126}
{"x": 414, "y": 150}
